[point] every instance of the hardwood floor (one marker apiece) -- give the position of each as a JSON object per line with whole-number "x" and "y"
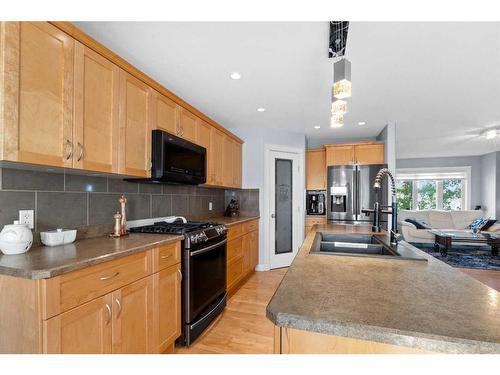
{"x": 243, "y": 327}
{"x": 488, "y": 277}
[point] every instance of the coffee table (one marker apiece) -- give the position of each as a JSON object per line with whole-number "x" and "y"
{"x": 445, "y": 238}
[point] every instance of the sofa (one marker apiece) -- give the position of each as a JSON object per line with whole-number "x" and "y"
{"x": 451, "y": 220}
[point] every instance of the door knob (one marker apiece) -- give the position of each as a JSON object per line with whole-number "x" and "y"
{"x": 273, "y": 216}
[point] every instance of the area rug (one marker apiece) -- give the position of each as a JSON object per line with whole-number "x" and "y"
{"x": 466, "y": 257}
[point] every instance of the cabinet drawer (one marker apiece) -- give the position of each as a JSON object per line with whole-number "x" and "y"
{"x": 250, "y": 226}
{"x": 166, "y": 256}
{"x": 64, "y": 292}
{"x": 234, "y": 272}
{"x": 234, "y": 231}
{"x": 234, "y": 249}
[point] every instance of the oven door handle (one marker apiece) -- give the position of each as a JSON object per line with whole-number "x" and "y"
{"x": 211, "y": 247}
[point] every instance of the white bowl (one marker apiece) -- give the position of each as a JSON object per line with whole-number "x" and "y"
{"x": 58, "y": 237}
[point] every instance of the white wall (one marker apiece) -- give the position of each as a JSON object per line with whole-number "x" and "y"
{"x": 253, "y": 163}
{"x": 489, "y": 187}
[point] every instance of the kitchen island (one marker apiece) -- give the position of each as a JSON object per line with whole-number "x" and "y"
{"x": 348, "y": 304}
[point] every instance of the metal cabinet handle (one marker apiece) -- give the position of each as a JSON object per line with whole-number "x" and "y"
{"x": 166, "y": 256}
{"x": 69, "y": 149}
{"x": 180, "y": 274}
{"x": 117, "y": 301}
{"x": 104, "y": 278}
{"x": 80, "y": 156}
{"x": 108, "y": 310}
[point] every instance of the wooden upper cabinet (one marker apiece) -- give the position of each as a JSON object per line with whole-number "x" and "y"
{"x": 168, "y": 306}
{"x": 316, "y": 169}
{"x": 236, "y": 158}
{"x": 135, "y": 134}
{"x": 363, "y": 153}
{"x": 85, "y": 329}
{"x": 216, "y": 145}
{"x": 96, "y": 127}
{"x": 227, "y": 161}
{"x": 339, "y": 155}
{"x": 38, "y": 94}
{"x": 133, "y": 325}
{"x": 187, "y": 125}
{"x": 369, "y": 153}
{"x": 203, "y": 132}
{"x": 164, "y": 114}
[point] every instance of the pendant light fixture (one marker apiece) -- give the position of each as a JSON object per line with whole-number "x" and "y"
{"x": 337, "y": 121}
{"x": 342, "y": 79}
{"x": 339, "y": 107}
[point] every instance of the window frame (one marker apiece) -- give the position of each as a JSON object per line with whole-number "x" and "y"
{"x": 438, "y": 174}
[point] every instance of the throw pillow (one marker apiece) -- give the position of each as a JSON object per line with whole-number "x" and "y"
{"x": 478, "y": 223}
{"x": 488, "y": 224}
{"x": 418, "y": 223}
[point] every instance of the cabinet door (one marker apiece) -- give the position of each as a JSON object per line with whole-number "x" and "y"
{"x": 227, "y": 162}
{"x": 369, "y": 154}
{"x": 85, "y": 329}
{"x": 38, "y": 102}
{"x": 316, "y": 169}
{"x": 255, "y": 249}
{"x": 96, "y": 128}
{"x": 236, "y": 159}
{"x": 340, "y": 155}
{"x": 203, "y": 131}
{"x": 216, "y": 145}
{"x": 167, "y": 306}
{"x": 188, "y": 125}
{"x": 133, "y": 326}
{"x": 135, "y": 134}
{"x": 250, "y": 241}
{"x": 164, "y": 114}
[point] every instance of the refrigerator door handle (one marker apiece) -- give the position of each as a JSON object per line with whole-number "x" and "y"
{"x": 353, "y": 191}
{"x": 360, "y": 192}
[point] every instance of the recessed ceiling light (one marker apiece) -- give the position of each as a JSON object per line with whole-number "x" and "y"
{"x": 361, "y": 123}
{"x": 235, "y": 75}
{"x": 261, "y": 109}
{"x": 317, "y": 127}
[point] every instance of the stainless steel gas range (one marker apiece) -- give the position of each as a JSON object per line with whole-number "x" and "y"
{"x": 204, "y": 268}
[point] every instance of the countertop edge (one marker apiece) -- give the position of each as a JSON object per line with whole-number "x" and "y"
{"x": 47, "y": 274}
{"x": 417, "y": 340}
{"x": 240, "y": 220}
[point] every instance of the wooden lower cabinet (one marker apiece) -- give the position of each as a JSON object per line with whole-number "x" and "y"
{"x": 133, "y": 310}
{"x": 168, "y": 304}
{"x": 133, "y": 314}
{"x": 311, "y": 221}
{"x": 295, "y": 341}
{"x": 86, "y": 329}
{"x": 242, "y": 253}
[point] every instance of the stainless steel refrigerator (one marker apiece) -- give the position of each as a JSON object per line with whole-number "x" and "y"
{"x": 350, "y": 189}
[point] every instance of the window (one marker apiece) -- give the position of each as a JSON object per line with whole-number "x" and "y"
{"x": 433, "y": 188}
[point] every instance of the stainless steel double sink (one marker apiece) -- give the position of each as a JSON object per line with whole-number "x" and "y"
{"x": 363, "y": 245}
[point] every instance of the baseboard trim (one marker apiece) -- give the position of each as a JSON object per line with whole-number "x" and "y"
{"x": 262, "y": 267}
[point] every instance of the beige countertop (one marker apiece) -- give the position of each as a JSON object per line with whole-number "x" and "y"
{"x": 44, "y": 262}
{"x": 426, "y": 305}
{"x": 229, "y": 221}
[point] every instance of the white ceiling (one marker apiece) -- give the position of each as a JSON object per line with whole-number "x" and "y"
{"x": 439, "y": 82}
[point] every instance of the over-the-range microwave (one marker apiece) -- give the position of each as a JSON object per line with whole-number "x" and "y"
{"x": 175, "y": 160}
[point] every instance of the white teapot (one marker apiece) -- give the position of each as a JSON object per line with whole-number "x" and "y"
{"x": 15, "y": 238}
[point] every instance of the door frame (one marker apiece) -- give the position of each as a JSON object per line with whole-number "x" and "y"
{"x": 299, "y": 207}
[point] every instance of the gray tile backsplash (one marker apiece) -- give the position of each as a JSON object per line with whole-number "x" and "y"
{"x": 88, "y": 202}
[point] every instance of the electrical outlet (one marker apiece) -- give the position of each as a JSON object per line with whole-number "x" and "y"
{"x": 27, "y": 217}
{"x": 210, "y": 206}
